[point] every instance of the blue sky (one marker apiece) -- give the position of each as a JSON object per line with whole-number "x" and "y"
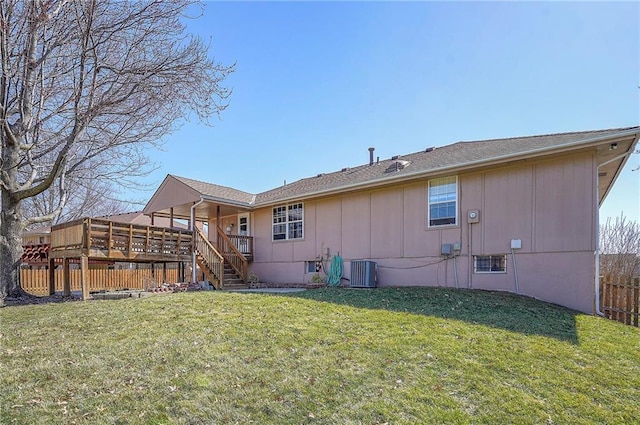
{"x": 317, "y": 83}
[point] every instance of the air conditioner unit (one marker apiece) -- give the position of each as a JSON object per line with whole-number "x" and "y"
{"x": 363, "y": 274}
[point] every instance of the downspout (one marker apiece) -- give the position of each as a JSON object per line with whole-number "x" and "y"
{"x": 597, "y": 230}
{"x": 192, "y": 227}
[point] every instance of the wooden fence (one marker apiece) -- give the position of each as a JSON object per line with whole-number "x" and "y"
{"x": 620, "y": 299}
{"x": 36, "y": 282}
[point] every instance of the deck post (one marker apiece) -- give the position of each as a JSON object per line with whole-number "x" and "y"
{"x": 52, "y": 276}
{"x": 66, "y": 277}
{"x": 164, "y": 273}
{"x": 84, "y": 265}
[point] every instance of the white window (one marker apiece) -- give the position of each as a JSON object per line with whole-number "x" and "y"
{"x": 443, "y": 201}
{"x": 288, "y": 222}
{"x": 490, "y": 263}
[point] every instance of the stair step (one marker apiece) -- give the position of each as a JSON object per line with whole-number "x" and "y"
{"x": 226, "y": 287}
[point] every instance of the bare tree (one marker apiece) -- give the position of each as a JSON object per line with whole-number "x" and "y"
{"x": 620, "y": 247}
{"x": 86, "y": 86}
{"x": 88, "y": 197}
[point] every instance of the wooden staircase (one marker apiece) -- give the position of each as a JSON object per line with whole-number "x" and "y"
{"x": 209, "y": 259}
{"x": 226, "y": 270}
{"x": 231, "y": 279}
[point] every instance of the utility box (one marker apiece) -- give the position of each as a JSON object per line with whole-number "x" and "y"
{"x": 446, "y": 249}
{"x": 363, "y": 274}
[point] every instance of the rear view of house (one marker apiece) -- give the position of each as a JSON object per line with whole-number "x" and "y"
{"x": 517, "y": 214}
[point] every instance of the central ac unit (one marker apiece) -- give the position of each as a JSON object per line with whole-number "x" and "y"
{"x": 363, "y": 274}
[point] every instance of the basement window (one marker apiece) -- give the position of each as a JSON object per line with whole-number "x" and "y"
{"x": 312, "y": 266}
{"x": 288, "y": 222}
{"x": 490, "y": 263}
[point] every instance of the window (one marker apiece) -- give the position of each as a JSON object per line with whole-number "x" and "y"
{"x": 490, "y": 263}
{"x": 443, "y": 200}
{"x": 312, "y": 266}
{"x": 287, "y": 222}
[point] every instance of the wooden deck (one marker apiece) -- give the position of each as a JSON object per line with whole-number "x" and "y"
{"x": 106, "y": 240}
{"x": 94, "y": 239}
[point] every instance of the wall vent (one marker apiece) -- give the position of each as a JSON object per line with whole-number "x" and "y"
{"x": 363, "y": 274}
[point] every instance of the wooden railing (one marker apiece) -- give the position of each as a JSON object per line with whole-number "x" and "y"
{"x": 244, "y": 244}
{"x": 118, "y": 240}
{"x": 620, "y": 299}
{"x": 209, "y": 259}
{"x": 235, "y": 258}
{"x": 68, "y": 236}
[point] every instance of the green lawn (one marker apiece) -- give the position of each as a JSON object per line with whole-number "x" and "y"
{"x": 328, "y": 356}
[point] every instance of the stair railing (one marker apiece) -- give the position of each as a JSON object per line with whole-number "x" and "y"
{"x": 235, "y": 258}
{"x": 210, "y": 260}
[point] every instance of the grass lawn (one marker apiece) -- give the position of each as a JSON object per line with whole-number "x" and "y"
{"x": 327, "y": 356}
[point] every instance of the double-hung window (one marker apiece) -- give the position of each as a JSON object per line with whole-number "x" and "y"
{"x": 288, "y": 222}
{"x": 443, "y": 201}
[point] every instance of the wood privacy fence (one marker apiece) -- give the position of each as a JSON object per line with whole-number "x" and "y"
{"x": 620, "y": 299}
{"x": 36, "y": 282}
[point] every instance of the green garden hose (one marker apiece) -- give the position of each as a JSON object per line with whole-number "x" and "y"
{"x": 335, "y": 272}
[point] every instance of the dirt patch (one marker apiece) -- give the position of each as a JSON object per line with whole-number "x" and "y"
{"x": 32, "y": 299}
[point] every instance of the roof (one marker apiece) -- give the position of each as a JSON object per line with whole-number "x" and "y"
{"x": 452, "y": 156}
{"x": 217, "y": 191}
{"x": 464, "y": 154}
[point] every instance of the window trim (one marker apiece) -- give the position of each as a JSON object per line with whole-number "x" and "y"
{"x": 457, "y": 216}
{"x": 287, "y": 222}
{"x": 490, "y": 258}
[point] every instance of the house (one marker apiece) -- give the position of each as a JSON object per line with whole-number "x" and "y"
{"x": 517, "y": 214}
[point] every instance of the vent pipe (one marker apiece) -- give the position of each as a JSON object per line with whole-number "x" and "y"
{"x": 371, "y": 155}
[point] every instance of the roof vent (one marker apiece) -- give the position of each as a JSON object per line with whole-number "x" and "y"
{"x": 320, "y": 175}
{"x": 431, "y": 149}
{"x": 397, "y": 165}
{"x": 345, "y": 169}
{"x": 394, "y": 157}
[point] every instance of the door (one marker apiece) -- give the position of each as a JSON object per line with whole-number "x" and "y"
{"x": 244, "y": 229}
{"x": 243, "y": 225}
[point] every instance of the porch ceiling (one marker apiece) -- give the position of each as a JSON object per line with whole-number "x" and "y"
{"x": 204, "y": 211}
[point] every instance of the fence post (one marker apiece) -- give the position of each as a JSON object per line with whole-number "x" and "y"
{"x": 52, "y": 276}
{"x": 84, "y": 265}
{"x": 66, "y": 277}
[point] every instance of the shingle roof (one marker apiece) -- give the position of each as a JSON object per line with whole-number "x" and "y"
{"x": 424, "y": 162}
{"x": 217, "y": 191}
{"x": 460, "y": 154}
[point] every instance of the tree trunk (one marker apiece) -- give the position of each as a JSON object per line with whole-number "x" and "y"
{"x": 10, "y": 248}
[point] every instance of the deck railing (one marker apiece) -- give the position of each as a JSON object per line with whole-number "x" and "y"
{"x": 244, "y": 244}
{"x": 119, "y": 240}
